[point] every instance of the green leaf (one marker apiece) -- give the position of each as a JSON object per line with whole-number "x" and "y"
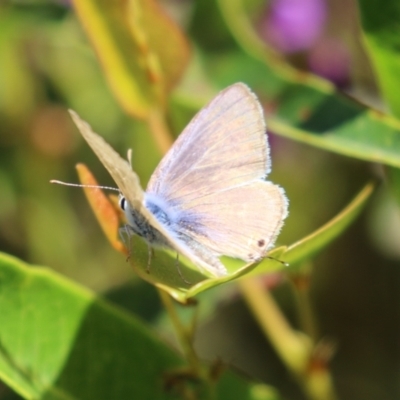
{"x": 306, "y": 108}
{"x": 381, "y": 33}
{"x": 75, "y": 73}
{"x": 59, "y": 341}
{"x": 129, "y": 39}
{"x": 380, "y": 24}
{"x": 18, "y": 84}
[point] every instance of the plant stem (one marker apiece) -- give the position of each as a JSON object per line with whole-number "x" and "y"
{"x": 294, "y": 348}
{"x": 184, "y": 335}
{"x": 300, "y": 282}
{"x": 160, "y": 130}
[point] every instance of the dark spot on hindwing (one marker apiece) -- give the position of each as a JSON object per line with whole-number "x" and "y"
{"x": 261, "y": 242}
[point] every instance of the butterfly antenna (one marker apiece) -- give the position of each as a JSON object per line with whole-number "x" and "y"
{"x": 83, "y": 186}
{"x": 179, "y": 270}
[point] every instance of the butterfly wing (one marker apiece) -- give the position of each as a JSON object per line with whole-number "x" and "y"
{"x": 119, "y": 169}
{"x": 227, "y": 137}
{"x": 240, "y": 222}
{"x": 212, "y": 179}
{"x": 128, "y": 183}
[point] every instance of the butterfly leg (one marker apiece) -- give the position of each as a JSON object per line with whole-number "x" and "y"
{"x": 284, "y": 263}
{"x": 126, "y": 233}
{"x": 179, "y": 270}
{"x": 150, "y": 257}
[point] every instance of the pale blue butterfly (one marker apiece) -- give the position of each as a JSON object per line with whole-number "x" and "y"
{"x": 208, "y": 196}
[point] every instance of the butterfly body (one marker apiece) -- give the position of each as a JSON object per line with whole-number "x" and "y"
{"x": 208, "y": 196}
{"x": 139, "y": 225}
{"x": 175, "y": 224}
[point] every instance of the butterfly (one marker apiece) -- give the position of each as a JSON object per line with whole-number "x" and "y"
{"x": 208, "y": 197}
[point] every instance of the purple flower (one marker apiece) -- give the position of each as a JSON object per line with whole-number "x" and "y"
{"x": 294, "y": 25}
{"x": 331, "y": 60}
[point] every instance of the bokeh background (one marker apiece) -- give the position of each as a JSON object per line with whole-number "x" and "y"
{"x": 47, "y": 66}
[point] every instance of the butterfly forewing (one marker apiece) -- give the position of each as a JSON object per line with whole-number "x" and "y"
{"x": 226, "y": 138}
{"x": 126, "y": 180}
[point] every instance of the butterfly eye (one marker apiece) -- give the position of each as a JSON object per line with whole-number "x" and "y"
{"x": 122, "y": 202}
